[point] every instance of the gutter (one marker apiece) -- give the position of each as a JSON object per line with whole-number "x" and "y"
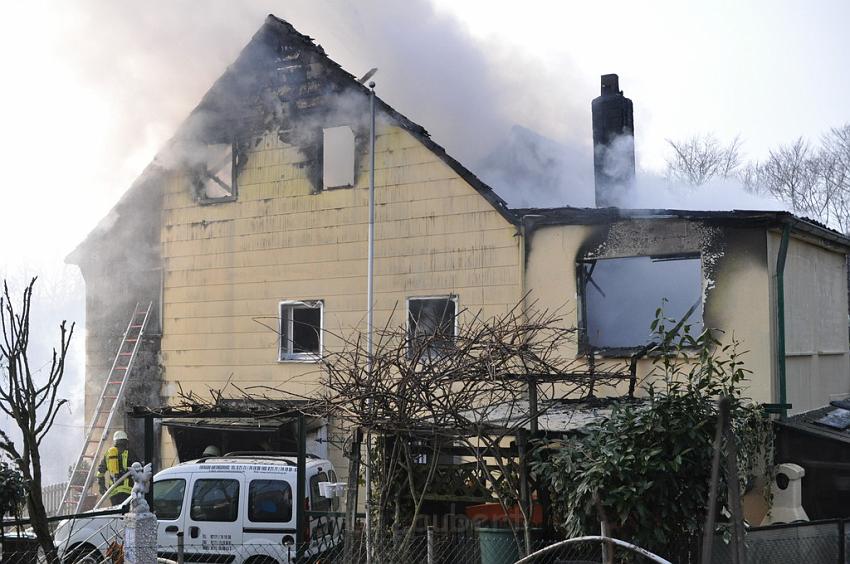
{"x": 780, "y": 319}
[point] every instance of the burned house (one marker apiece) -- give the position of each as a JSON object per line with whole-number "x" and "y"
{"x": 251, "y": 225}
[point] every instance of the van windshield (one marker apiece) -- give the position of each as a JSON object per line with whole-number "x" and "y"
{"x": 269, "y": 501}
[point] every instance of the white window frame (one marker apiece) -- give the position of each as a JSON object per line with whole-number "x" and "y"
{"x": 450, "y": 297}
{"x": 300, "y": 356}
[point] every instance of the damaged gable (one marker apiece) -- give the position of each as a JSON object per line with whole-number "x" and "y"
{"x": 285, "y": 85}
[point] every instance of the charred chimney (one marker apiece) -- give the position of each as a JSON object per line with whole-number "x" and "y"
{"x": 613, "y": 143}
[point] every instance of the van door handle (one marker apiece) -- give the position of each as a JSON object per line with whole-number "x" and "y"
{"x": 171, "y": 529}
{"x": 193, "y": 532}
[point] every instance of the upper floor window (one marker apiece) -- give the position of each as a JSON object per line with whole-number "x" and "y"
{"x": 337, "y": 157}
{"x": 300, "y": 330}
{"x": 215, "y": 179}
{"x": 619, "y": 298}
{"x": 431, "y": 325}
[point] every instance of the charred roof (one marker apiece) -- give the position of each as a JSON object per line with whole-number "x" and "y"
{"x": 279, "y": 76}
{"x": 744, "y": 218}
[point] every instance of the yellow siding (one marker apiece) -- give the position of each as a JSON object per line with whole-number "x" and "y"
{"x": 228, "y": 265}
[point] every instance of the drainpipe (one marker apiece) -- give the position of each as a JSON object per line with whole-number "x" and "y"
{"x": 780, "y": 318}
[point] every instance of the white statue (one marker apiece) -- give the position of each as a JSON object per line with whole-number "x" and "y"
{"x": 142, "y": 479}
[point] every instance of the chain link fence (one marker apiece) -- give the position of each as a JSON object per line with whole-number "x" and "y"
{"x": 815, "y": 542}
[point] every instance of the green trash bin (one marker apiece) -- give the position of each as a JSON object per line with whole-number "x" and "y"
{"x": 498, "y": 546}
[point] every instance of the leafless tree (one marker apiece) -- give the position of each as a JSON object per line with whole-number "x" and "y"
{"x": 700, "y": 158}
{"x": 813, "y": 180}
{"x": 427, "y": 395}
{"x": 29, "y": 396}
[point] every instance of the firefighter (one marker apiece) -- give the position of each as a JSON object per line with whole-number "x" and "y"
{"x": 115, "y": 463}
{"x": 211, "y": 451}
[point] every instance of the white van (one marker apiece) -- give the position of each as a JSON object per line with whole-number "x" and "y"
{"x": 232, "y": 509}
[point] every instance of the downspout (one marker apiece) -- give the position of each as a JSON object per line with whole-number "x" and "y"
{"x": 526, "y": 227}
{"x": 780, "y": 319}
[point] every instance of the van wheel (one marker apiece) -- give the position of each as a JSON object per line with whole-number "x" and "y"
{"x": 261, "y": 560}
{"x": 83, "y": 554}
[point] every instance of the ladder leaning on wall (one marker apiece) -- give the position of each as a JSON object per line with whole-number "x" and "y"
{"x": 97, "y": 433}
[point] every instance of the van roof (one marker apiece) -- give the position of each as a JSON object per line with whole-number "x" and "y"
{"x": 274, "y": 462}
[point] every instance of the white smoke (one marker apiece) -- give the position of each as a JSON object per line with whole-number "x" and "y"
{"x": 652, "y": 190}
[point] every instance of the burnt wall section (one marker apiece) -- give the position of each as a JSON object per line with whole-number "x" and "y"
{"x": 733, "y": 277}
{"x": 282, "y": 83}
{"x": 664, "y": 239}
{"x": 121, "y": 264}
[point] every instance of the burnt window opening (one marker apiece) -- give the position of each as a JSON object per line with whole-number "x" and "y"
{"x": 338, "y": 157}
{"x": 215, "y": 179}
{"x": 431, "y": 326}
{"x": 620, "y": 296}
{"x": 300, "y": 330}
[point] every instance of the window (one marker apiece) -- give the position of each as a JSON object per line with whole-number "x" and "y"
{"x": 168, "y": 499}
{"x": 337, "y": 157}
{"x": 215, "y": 500}
{"x": 317, "y": 501}
{"x": 300, "y": 330}
{"x": 431, "y": 325}
{"x": 215, "y": 179}
{"x": 269, "y": 501}
{"x": 620, "y": 296}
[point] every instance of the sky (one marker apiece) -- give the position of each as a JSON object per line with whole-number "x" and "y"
{"x": 94, "y": 88}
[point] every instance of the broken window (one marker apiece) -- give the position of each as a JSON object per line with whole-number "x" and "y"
{"x": 215, "y": 179}
{"x": 619, "y": 297}
{"x": 431, "y": 326}
{"x": 300, "y": 330}
{"x": 337, "y": 157}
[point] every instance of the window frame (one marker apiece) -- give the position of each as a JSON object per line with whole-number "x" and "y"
{"x": 235, "y": 503}
{"x": 585, "y": 347}
{"x": 291, "y": 356}
{"x": 251, "y": 493}
{"x": 449, "y": 297}
{"x": 200, "y": 190}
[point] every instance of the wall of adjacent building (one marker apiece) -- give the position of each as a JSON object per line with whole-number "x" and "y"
{"x": 227, "y": 266}
{"x": 816, "y": 339}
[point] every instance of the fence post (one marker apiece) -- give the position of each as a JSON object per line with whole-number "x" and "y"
{"x": 842, "y": 556}
{"x": 430, "y": 538}
{"x": 180, "y": 547}
{"x": 353, "y": 488}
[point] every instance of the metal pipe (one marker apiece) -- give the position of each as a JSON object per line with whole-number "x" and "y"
{"x": 578, "y": 540}
{"x": 370, "y": 302}
{"x": 780, "y": 319}
{"x": 301, "y": 521}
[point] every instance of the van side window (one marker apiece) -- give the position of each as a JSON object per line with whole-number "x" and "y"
{"x": 269, "y": 501}
{"x": 317, "y": 501}
{"x": 215, "y": 500}
{"x": 168, "y": 498}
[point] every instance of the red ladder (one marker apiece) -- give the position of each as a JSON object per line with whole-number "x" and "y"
{"x": 97, "y": 433}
